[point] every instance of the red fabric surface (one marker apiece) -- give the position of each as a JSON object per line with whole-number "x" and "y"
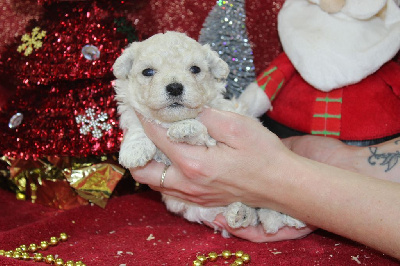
{"x": 119, "y": 234}
{"x": 369, "y": 108}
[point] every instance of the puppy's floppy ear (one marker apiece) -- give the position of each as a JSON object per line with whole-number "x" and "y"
{"x": 218, "y": 67}
{"x": 123, "y": 64}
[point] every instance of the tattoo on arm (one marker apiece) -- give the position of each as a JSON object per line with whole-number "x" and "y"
{"x": 389, "y": 159}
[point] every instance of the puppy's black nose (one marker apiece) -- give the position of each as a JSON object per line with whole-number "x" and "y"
{"x": 175, "y": 89}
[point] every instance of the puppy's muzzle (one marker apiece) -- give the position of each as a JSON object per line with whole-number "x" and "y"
{"x": 174, "y": 89}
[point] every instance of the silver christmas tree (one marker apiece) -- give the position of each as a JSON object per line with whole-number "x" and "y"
{"x": 225, "y": 30}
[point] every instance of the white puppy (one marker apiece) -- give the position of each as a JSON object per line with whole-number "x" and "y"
{"x": 169, "y": 79}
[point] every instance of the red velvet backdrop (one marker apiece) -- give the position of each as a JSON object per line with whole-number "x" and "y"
{"x": 137, "y": 230}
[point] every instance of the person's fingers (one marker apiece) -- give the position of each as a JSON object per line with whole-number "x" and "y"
{"x": 173, "y": 183}
{"x": 226, "y": 127}
{"x": 155, "y": 132}
{"x": 173, "y": 150}
{"x": 223, "y": 126}
{"x": 235, "y": 130}
{"x": 148, "y": 174}
{"x": 152, "y": 173}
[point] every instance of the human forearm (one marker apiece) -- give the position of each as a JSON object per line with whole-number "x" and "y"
{"x": 358, "y": 207}
{"x": 381, "y": 161}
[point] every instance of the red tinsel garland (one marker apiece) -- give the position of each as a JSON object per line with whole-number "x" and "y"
{"x": 53, "y": 129}
{"x": 66, "y": 31}
{"x": 58, "y": 82}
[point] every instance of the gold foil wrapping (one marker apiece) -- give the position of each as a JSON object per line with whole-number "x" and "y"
{"x": 96, "y": 182}
{"x": 64, "y": 182}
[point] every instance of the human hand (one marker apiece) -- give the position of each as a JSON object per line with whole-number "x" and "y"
{"x": 205, "y": 175}
{"x": 258, "y": 234}
{"x": 322, "y": 149}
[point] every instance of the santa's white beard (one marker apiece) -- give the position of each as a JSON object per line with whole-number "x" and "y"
{"x": 334, "y": 50}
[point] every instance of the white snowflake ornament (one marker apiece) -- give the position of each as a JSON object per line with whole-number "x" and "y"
{"x": 93, "y": 123}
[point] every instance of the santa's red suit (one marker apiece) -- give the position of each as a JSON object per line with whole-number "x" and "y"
{"x": 366, "y": 110}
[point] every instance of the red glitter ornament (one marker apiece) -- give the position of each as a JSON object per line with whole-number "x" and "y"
{"x": 62, "y": 71}
{"x": 50, "y": 126}
{"x": 66, "y": 31}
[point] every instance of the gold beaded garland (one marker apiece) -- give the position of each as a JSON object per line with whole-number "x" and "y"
{"x": 246, "y": 258}
{"x": 24, "y": 252}
{"x": 240, "y": 257}
{"x": 59, "y": 262}
{"x": 202, "y": 258}
{"x": 238, "y": 261}
{"x": 17, "y": 255}
{"x": 44, "y": 245}
{"x": 33, "y": 247}
{"x": 25, "y": 256}
{"x": 21, "y": 253}
{"x": 63, "y": 237}
{"x": 38, "y": 257}
{"x": 69, "y": 263}
{"x": 49, "y": 259}
{"x": 213, "y": 256}
{"x": 226, "y": 254}
{"x": 53, "y": 240}
{"x": 8, "y": 254}
{"x": 239, "y": 254}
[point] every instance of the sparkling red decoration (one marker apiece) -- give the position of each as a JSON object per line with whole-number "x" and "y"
{"x": 60, "y": 56}
{"x": 53, "y": 129}
{"x": 61, "y": 70}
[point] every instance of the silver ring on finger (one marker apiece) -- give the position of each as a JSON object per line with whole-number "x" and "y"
{"x": 164, "y": 173}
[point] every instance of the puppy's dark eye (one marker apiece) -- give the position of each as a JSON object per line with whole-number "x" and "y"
{"x": 195, "y": 69}
{"x": 148, "y": 72}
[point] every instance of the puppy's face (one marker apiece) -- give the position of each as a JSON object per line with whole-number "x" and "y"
{"x": 169, "y": 77}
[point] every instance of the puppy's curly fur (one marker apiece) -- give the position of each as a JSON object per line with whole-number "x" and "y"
{"x": 169, "y": 79}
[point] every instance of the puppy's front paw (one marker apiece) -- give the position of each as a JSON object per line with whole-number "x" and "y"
{"x": 271, "y": 220}
{"x": 136, "y": 153}
{"x": 239, "y": 215}
{"x": 190, "y": 131}
{"x": 290, "y": 221}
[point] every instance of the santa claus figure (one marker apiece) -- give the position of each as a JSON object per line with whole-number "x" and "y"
{"x": 335, "y": 77}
